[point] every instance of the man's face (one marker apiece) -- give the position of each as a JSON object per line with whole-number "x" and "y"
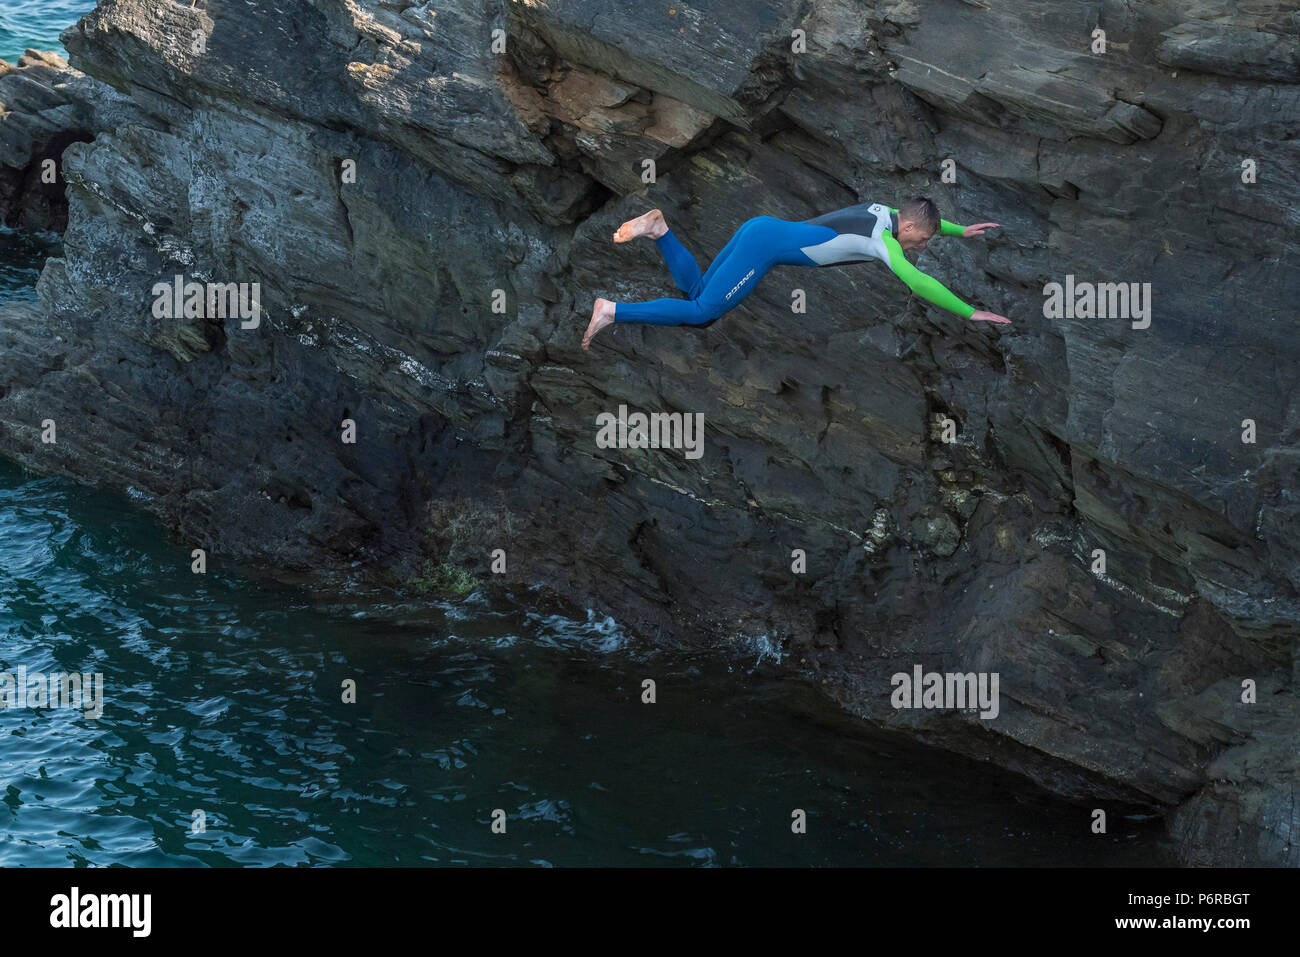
{"x": 912, "y": 237}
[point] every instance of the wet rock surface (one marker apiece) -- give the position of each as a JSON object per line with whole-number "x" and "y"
{"x": 428, "y": 216}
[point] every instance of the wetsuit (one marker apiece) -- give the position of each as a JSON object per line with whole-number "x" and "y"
{"x": 854, "y": 234}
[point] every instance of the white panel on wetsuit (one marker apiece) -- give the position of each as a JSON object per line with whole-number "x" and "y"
{"x": 858, "y": 246}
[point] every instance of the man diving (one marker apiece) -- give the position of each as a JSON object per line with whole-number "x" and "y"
{"x": 854, "y": 234}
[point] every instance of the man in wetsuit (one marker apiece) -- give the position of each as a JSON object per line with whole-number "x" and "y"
{"x": 855, "y": 234}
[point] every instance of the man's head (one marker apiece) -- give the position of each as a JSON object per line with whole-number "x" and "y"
{"x": 918, "y": 221}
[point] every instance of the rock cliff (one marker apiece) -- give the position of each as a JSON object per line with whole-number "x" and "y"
{"x": 425, "y": 193}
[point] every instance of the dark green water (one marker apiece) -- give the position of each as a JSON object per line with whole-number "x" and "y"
{"x": 22, "y": 254}
{"x": 224, "y": 696}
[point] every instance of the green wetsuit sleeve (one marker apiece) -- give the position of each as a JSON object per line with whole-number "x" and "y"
{"x": 927, "y": 287}
{"x": 945, "y": 228}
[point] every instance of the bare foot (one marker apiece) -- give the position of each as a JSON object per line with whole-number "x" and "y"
{"x": 651, "y": 224}
{"x": 601, "y": 316}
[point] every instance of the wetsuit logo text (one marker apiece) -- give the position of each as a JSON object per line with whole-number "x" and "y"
{"x": 658, "y": 430}
{"x": 743, "y": 280}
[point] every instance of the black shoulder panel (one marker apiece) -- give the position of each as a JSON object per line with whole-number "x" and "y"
{"x": 852, "y": 219}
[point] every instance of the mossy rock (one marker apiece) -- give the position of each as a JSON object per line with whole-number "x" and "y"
{"x": 445, "y": 580}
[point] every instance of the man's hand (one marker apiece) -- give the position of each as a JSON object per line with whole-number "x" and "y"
{"x": 979, "y": 315}
{"x": 978, "y": 229}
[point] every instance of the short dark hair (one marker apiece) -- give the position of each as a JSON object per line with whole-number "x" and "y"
{"x": 921, "y": 211}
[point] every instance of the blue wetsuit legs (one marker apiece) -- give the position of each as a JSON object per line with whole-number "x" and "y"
{"x": 680, "y": 263}
{"x": 758, "y": 245}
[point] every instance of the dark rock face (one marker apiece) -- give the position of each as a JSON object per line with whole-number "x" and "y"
{"x": 38, "y": 123}
{"x": 45, "y": 106}
{"x": 485, "y": 177}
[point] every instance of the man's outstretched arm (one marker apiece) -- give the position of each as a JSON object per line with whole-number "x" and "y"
{"x": 929, "y": 288}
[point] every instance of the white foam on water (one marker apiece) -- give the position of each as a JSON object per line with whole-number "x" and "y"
{"x": 764, "y": 647}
